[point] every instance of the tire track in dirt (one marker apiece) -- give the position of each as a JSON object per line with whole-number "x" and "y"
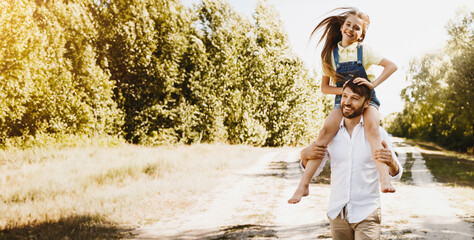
{"x": 307, "y": 219}
{"x": 252, "y": 204}
{"x": 241, "y": 208}
{"x": 421, "y": 209}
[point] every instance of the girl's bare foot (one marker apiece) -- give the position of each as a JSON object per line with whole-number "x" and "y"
{"x": 387, "y": 187}
{"x": 301, "y": 191}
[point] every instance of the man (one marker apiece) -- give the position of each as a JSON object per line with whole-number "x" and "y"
{"x": 354, "y": 203}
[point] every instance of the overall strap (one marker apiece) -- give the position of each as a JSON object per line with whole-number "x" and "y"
{"x": 359, "y": 54}
{"x": 336, "y": 57}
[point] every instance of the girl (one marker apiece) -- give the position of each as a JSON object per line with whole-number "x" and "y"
{"x": 344, "y": 57}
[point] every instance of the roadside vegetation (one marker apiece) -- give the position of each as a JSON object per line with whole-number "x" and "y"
{"x": 104, "y": 192}
{"x": 153, "y": 72}
{"x": 450, "y": 167}
{"x": 439, "y": 99}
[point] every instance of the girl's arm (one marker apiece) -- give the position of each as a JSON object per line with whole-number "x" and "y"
{"x": 326, "y": 88}
{"x": 388, "y": 69}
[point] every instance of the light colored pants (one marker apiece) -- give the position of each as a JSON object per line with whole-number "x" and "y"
{"x": 369, "y": 228}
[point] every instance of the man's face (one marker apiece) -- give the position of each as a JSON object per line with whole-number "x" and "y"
{"x": 352, "y": 104}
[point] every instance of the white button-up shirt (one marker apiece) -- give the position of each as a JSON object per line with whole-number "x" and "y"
{"x": 354, "y": 177}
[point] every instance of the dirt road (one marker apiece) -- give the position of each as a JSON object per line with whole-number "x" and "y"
{"x": 252, "y": 204}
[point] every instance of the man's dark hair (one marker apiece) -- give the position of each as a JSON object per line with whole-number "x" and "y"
{"x": 361, "y": 90}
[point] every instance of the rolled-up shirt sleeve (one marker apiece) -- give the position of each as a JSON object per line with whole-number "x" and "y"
{"x": 384, "y": 135}
{"x": 400, "y": 168}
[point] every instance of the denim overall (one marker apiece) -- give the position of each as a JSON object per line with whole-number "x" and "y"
{"x": 350, "y": 70}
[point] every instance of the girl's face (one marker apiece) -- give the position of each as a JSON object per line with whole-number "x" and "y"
{"x": 351, "y": 30}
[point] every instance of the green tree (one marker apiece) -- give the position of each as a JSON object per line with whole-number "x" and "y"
{"x": 50, "y": 83}
{"x": 460, "y": 79}
{"x": 439, "y": 99}
{"x": 252, "y": 79}
{"x": 205, "y": 74}
{"x": 285, "y": 86}
{"x": 218, "y": 84}
{"x": 141, "y": 45}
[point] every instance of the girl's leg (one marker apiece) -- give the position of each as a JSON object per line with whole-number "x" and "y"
{"x": 371, "y": 128}
{"x": 330, "y": 128}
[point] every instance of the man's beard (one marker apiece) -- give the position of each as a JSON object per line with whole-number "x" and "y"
{"x": 355, "y": 113}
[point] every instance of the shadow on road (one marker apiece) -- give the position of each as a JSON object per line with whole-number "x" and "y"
{"x": 247, "y": 231}
{"x": 252, "y": 231}
{"x": 292, "y": 170}
{"x": 407, "y": 176}
{"x": 431, "y": 231}
{"x": 74, "y": 227}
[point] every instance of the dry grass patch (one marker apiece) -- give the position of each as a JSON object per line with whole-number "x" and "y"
{"x": 72, "y": 190}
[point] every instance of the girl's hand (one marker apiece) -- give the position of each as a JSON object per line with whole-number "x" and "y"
{"x": 363, "y": 81}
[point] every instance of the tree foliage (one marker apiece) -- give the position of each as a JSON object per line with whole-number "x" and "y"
{"x": 155, "y": 72}
{"x": 142, "y": 43}
{"x": 50, "y": 82}
{"x": 439, "y": 99}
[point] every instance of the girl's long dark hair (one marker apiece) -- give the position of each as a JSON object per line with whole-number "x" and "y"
{"x": 331, "y": 27}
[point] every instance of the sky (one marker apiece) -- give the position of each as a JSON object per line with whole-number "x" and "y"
{"x": 399, "y": 30}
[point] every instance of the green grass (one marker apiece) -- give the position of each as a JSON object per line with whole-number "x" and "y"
{"x": 450, "y": 170}
{"x": 434, "y": 148}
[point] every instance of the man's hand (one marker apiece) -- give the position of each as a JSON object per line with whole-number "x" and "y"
{"x": 312, "y": 152}
{"x": 384, "y": 155}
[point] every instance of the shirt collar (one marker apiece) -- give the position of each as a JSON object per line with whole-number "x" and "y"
{"x": 361, "y": 122}
{"x": 349, "y": 48}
